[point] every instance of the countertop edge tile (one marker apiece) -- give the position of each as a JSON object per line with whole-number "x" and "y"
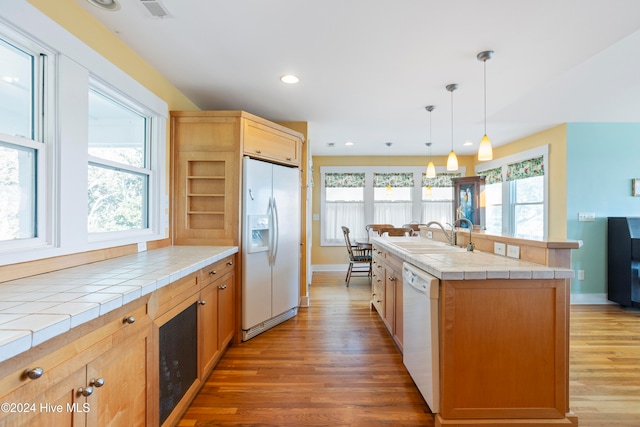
{"x": 169, "y": 263}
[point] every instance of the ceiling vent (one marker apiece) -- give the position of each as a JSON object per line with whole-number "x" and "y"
{"x": 155, "y": 8}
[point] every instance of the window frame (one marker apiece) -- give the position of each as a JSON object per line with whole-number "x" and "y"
{"x": 508, "y": 202}
{"x": 40, "y": 140}
{"x": 416, "y": 192}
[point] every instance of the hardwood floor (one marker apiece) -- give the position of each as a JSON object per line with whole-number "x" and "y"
{"x": 336, "y": 365}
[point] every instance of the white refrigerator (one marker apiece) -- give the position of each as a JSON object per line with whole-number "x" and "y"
{"x": 270, "y": 245}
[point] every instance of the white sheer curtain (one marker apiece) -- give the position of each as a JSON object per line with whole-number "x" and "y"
{"x": 349, "y": 214}
{"x": 440, "y": 210}
{"x": 396, "y": 213}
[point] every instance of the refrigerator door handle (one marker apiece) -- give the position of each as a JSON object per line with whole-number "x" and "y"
{"x": 271, "y": 229}
{"x": 276, "y": 227}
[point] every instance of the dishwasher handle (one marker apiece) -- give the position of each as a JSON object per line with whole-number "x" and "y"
{"x": 421, "y": 280}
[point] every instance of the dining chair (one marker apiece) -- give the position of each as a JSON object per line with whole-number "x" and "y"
{"x": 359, "y": 258}
{"x": 376, "y": 228}
{"x": 396, "y": 231}
{"x": 413, "y": 226}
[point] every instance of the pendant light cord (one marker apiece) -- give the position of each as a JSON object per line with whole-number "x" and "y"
{"x": 485, "y": 96}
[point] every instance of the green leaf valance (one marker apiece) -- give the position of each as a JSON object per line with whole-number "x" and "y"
{"x": 344, "y": 180}
{"x": 441, "y": 180}
{"x": 525, "y": 169}
{"x": 492, "y": 176}
{"x": 393, "y": 179}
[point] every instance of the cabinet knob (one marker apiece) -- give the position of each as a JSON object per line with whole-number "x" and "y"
{"x": 230, "y": 263}
{"x": 222, "y": 287}
{"x": 34, "y": 373}
{"x": 392, "y": 278}
{"x": 212, "y": 272}
{"x": 289, "y": 159}
{"x": 129, "y": 320}
{"x": 259, "y": 151}
{"x": 203, "y": 302}
{"x": 87, "y": 391}
{"x": 97, "y": 382}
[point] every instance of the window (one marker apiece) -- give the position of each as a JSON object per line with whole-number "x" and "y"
{"x": 516, "y": 194}
{"x": 23, "y": 68}
{"x": 82, "y": 146}
{"x": 355, "y": 196}
{"x": 344, "y": 205}
{"x": 392, "y": 198}
{"x": 493, "y": 200}
{"x": 119, "y": 174}
{"x": 437, "y": 198}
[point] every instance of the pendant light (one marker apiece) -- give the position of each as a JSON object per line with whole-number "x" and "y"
{"x": 431, "y": 168}
{"x": 485, "y": 152}
{"x": 389, "y": 189}
{"x": 452, "y": 160}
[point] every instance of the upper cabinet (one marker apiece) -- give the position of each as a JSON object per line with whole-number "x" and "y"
{"x": 271, "y": 144}
{"x": 206, "y": 169}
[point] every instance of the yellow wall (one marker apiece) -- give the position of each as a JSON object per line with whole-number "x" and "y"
{"x": 554, "y": 137}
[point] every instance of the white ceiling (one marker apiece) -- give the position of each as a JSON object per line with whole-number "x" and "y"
{"x": 368, "y": 68}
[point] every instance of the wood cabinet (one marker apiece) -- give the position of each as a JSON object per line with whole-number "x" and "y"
{"x": 468, "y": 200}
{"x": 386, "y": 295}
{"x": 206, "y": 169}
{"x": 212, "y": 291}
{"x": 98, "y": 378}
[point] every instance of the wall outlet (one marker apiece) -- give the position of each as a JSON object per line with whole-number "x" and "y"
{"x": 142, "y": 246}
{"x": 513, "y": 251}
{"x": 580, "y": 274}
{"x": 586, "y": 216}
{"x": 499, "y": 248}
{"x": 429, "y": 234}
{"x": 316, "y": 217}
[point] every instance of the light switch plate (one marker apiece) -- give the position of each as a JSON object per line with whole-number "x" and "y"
{"x": 316, "y": 217}
{"x": 499, "y": 248}
{"x": 429, "y": 234}
{"x": 513, "y": 251}
{"x": 586, "y": 216}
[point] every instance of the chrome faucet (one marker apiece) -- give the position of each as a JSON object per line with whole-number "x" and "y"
{"x": 470, "y": 246}
{"x": 450, "y": 236}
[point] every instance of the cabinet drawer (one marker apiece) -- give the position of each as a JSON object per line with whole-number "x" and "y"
{"x": 216, "y": 270}
{"x": 264, "y": 142}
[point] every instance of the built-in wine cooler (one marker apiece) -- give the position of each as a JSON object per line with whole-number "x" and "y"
{"x": 178, "y": 359}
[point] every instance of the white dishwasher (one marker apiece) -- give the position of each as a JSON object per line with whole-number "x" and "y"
{"x": 420, "y": 346}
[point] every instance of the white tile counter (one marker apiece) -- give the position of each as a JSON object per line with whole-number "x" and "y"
{"x": 452, "y": 263}
{"x": 37, "y": 308}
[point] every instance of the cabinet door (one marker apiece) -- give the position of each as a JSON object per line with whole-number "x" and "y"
{"x": 226, "y": 309}
{"x": 208, "y": 325}
{"x": 271, "y": 144}
{"x": 397, "y": 335}
{"x": 389, "y": 300}
{"x": 59, "y": 405}
{"x": 119, "y": 381}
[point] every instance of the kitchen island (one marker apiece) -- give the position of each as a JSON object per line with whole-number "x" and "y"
{"x": 83, "y": 345}
{"x": 503, "y": 328}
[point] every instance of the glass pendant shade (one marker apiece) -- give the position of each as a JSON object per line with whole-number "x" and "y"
{"x": 452, "y": 161}
{"x": 485, "y": 152}
{"x": 431, "y": 170}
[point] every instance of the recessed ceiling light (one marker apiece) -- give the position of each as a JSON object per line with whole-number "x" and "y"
{"x": 289, "y": 79}
{"x": 110, "y": 5}
{"x": 348, "y": 143}
{"x": 467, "y": 143}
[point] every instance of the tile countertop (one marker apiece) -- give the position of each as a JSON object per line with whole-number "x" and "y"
{"x": 37, "y": 308}
{"x": 458, "y": 264}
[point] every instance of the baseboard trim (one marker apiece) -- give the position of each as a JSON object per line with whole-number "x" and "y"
{"x": 590, "y": 299}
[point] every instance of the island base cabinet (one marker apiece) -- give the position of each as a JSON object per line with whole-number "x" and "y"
{"x": 504, "y": 353}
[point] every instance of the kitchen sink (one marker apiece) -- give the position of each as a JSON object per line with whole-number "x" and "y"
{"x": 426, "y": 247}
